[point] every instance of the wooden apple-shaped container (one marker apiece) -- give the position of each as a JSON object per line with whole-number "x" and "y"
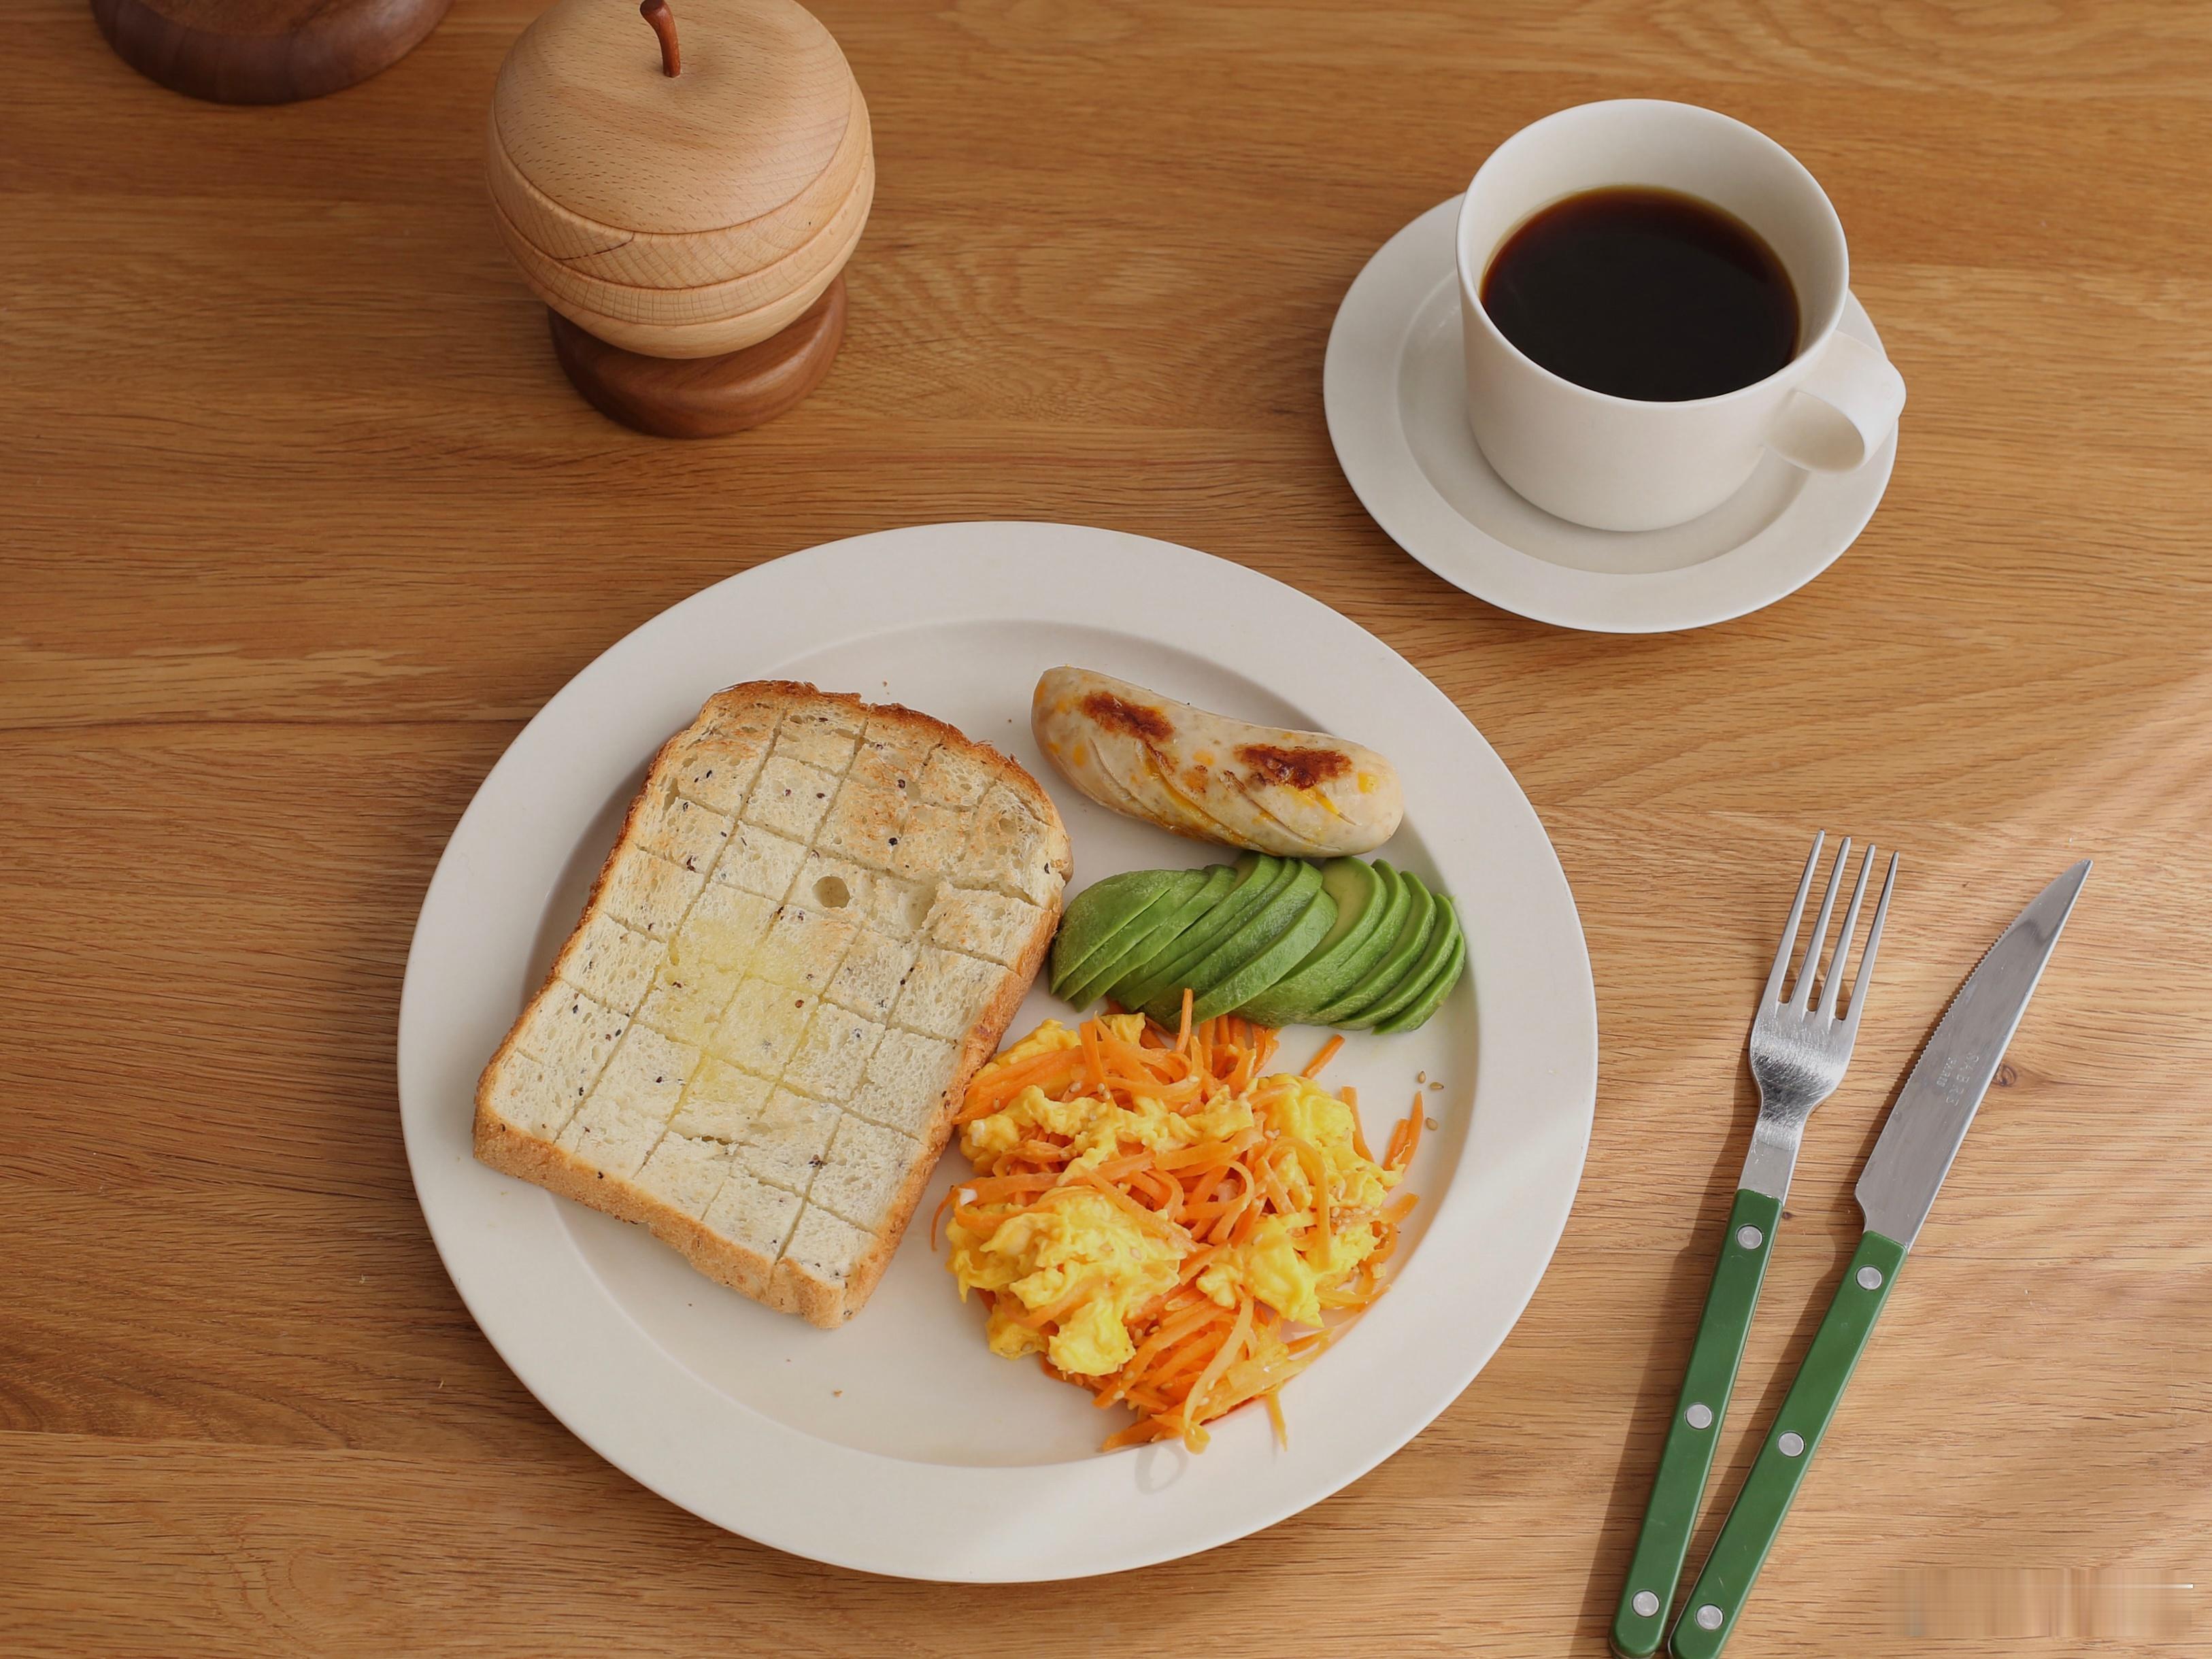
{"x": 683, "y": 190}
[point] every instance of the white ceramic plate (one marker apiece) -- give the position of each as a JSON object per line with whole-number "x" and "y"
{"x": 899, "y": 1444}
{"x": 1396, "y": 396}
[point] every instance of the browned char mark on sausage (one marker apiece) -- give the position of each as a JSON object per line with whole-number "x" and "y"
{"x": 1293, "y": 769}
{"x": 1118, "y": 714}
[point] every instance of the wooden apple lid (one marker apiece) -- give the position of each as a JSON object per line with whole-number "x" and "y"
{"x": 679, "y": 214}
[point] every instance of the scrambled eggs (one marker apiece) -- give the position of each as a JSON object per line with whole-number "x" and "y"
{"x": 1128, "y": 1183}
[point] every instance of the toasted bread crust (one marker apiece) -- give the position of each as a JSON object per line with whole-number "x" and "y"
{"x": 514, "y": 1149}
{"x": 513, "y": 1152}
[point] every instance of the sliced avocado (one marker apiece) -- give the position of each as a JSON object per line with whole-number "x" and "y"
{"x": 1184, "y": 904}
{"x": 1414, "y": 934}
{"x": 1203, "y": 942}
{"x": 1257, "y": 875}
{"x": 1276, "y": 915}
{"x": 1242, "y": 985}
{"x": 1098, "y": 916}
{"x": 1402, "y": 995}
{"x": 1356, "y": 898}
{"x": 1432, "y": 998}
{"x": 1370, "y": 902}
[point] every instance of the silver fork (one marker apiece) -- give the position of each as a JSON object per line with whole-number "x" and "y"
{"x": 1798, "y": 1049}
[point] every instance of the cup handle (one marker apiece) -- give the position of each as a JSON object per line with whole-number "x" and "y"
{"x": 1842, "y": 411}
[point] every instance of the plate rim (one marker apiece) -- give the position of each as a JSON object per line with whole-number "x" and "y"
{"x": 1360, "y": 402}
{"x": 561, "y": 1358}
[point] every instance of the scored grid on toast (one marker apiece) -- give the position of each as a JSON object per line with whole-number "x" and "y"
{"x": 817, "y": 922}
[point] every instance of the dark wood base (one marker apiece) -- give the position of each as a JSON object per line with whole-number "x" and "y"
{"x": 705, "y": 396}
{"x": 264, "y": 52}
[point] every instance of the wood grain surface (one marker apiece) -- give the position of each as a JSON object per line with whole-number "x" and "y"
{"x": 298, "y": 522}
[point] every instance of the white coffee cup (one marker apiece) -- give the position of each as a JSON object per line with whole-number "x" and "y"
{"x": 1621, "y": 464}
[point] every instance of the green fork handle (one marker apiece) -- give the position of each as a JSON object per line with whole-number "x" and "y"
{"x": 1641, "y": 1623}
{"x": 1716, "y": 1599}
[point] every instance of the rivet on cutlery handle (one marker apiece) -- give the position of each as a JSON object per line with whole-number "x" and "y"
{"x": 1640, "y": 1625}
{"x": 1717, "y": 1598}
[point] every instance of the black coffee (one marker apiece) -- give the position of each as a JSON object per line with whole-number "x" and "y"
{"x": 1644, "y": 293}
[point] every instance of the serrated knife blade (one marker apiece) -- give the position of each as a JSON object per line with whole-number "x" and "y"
{"x": 1936, "y": 1106}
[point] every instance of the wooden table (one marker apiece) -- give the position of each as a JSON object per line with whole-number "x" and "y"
{"x": 298, "y": 523}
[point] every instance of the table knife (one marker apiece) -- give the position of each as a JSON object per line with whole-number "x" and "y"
{"x": 1897, "y": 1190}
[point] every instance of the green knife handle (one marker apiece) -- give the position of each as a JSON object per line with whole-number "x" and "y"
{"x": 1641, "y": 1623}
{"x": 1716, "y": 1599}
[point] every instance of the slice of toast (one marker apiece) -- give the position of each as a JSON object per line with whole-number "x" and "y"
{"x": 815, "y": 927}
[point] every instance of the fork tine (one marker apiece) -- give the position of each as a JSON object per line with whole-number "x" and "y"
{"x": 1874, "y": 947}
{"x": 1802, "y": 992}
{"x": 1789, "y": 928}
{"x": 1831, "y": 982}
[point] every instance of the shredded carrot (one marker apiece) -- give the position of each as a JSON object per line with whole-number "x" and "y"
{"x": 1405, "y": 1138}
{"x": 988, "y": 1090}
{"x": 1198, "y": 1353}
{"x": 1350, "y": 1097}
{"x": 1092, "y": 1052}
{"x": 1328, "y": 1052}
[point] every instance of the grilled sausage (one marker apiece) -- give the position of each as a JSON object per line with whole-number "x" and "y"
{"x": 1299, "y": 794}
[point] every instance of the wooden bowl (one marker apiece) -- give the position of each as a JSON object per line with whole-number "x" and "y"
{"x": 264, "y": 52}
{"x": 682, "y": 204}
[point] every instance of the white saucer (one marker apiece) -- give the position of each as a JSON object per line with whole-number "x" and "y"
{"x": 1397, "y": 413}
